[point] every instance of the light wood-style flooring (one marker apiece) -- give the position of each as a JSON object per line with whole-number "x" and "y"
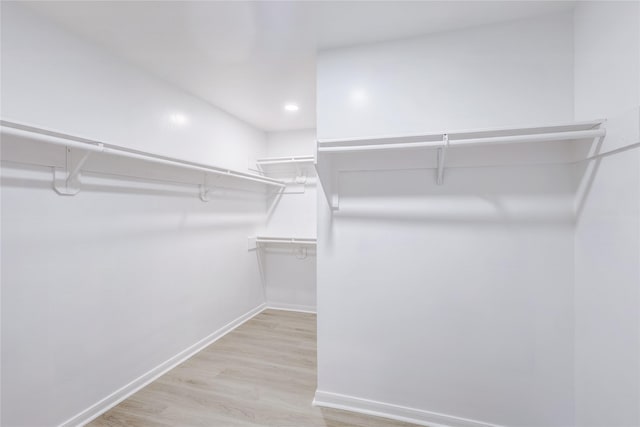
{"x": 261, "y": 374}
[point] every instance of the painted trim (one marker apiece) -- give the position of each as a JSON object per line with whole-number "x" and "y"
{"x": 393, "y": 412}
{"x": 291, "y": 307}
{"x": 121, "y": 394}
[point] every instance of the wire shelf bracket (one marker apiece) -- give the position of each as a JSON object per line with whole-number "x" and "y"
{"x": 297, "y": 165}
{"x": 66, "y": 182}
{"x": 443, "y": 142}
{"x": 254, "y": 242}
{"x": 442, "y": 153}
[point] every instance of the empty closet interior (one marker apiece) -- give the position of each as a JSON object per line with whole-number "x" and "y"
{"x": 443, "y": 197}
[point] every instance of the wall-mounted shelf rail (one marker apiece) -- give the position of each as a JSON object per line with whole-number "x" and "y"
{"x": 301, "y": 245}
{"x": 66, "y": 182}
{"x": 295, "y": 168}
{"x": 353, "y": 151}
{"x": 310, "y": 159}
{"x": 287, "y": 240}
{"x": 564, "y": 132}
{"x": 256, "y": 241}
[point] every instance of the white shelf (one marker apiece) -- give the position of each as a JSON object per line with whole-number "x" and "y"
{"x": 66, "y": 181}
{"x": 255, "y": 242}
{"x": 356, "y": 154}
{"x": 290, "y": 169}
{"x": 279, "y": 161}
{"x": 558, "y": 132}
{"x": 286, "y": 240}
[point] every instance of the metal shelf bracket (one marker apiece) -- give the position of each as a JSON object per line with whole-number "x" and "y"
{"x": 335, "y": 191}
{"x": 296, "y": 165}
{"x": 67, "y": 181}
{"x": 442, "y": 154}
{"x": 207, "y": 187}
{"x": 300, "y": 246}
{"x": 301, "y": 177}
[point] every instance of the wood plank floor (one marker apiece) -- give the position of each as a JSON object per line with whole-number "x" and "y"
{"x": 261, "y": 374}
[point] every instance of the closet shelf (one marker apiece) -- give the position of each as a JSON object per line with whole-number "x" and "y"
{"x": 561, "y": 132}
{"x": 256, "y": 241}
{"x": 66, "y": 182}
{"x": 354, "y": 150}
{"x": 294, "y": 169}
{"x": 286, "y": 240}
{"x": 267, "y": 161}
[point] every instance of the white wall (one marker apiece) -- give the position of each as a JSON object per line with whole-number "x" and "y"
{"x": 296, "y": 211}
{"x": 489, "y": 76}
{"x": 52, "y": 79}
{"x": 300, "y": 142}
{"x": 607, "y": 240}
{"x": 99, "y": 288}
{"x": 457, "y": 299}
{"x": 291, "y": 281}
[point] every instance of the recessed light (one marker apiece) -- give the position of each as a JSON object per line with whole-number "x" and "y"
{"x": 291, "y": 107}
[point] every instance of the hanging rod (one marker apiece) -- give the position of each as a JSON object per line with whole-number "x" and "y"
{"x": 70, "y": 141}
{"x": 489, "y": 140}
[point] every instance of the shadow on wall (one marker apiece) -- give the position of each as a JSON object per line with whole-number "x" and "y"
{"x": 132, "y": 209}
{"x": 101, "y": 182}
{"x": 587, "y": 172}
{"x": 283, "y": 253}
{"x": 525, "y": 194}
{"x": 533, "y": 195}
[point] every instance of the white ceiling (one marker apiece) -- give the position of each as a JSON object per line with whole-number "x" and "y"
{"x": 250, "y": 58}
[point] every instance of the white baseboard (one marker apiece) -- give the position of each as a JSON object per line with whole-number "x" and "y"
{"x": 291, "y": 307}
{"x": 121, "y": 394}
{"x": 394, "y": 412}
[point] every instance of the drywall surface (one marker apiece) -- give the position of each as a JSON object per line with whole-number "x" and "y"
{"x": 52, "y": 79}
{"x": 607, "y": 240}
{"x": 290, "y": 275}
{"x": 483, "y": 77}
{"x": 299, "y": 142}
{"x": 453, "y": 300}
{"x": 102, "y": 287}
{"x": 296, "y": 212}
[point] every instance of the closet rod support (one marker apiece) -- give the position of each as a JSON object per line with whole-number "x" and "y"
{"x": 23, "y": 131}
{"x": 66, "y": 181}
{"x": 480, "y": 141}
{"x": 206, "y": 188}
{"x": 442, "y": 153}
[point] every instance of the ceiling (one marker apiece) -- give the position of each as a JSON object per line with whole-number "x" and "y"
{"x": 250, "y": 58}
